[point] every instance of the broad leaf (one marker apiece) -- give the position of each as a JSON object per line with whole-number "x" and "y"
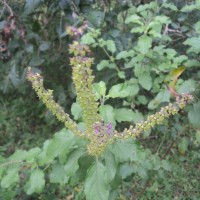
{"x": 111, "y": 166}
{"x": 58, "y": 174}
{"x": 145, "y": 81}
{"x": 10, "y": 178}
{"x": 123, "y": 114}
{"x": 111, "y": 46}
{"x": 123, "y": 90}
{"x": 36, "y": 182}
{"x": 96, "y": 183}
{"x": 72, "y": 165}
{"x": 144, "y": 44}
{"x": 194, "y": 115}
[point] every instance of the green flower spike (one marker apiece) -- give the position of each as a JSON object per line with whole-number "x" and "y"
{"x": 99, "y": 134}
{"x": 47, "y": 98}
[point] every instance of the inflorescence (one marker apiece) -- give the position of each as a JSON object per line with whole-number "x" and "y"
{"x": 99, "y": 133}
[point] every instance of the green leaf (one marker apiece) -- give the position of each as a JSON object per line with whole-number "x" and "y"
{"x": 100, "y": 89}
{"x": 145, "y": 81}
{"x": 36, "y": 182}
{"x": 36, "y": 61}
{"x": 170, "y": 6}
{"x": 111, "y": 166}
{"x": 76, "y": 111}
{"x": 123, "y": 90}
{"x": 107, "y": 113}
{"x": 72, "y": 165}
{"x": 44, "y": 46}
{"x": 166, "y": 165}
{"x": 123, "y": 114}
{"x": 162, "y": 96}
{"x": 32, "y": 154}
{"x": 197, "y": 27}
{"x": 96, "y": 183}
{"x": 121, "y": 74}
{"x": 189, "y": 8}
{"x": 126, "y": 170}
{"x": 10, "y": 178}
{"x": 61, "y": 144}
{"x": 87, "y": 39}
{"x": 19, "y": 155}
{"x": 137, "y": 117}
{"x": 58, "y": 174}
{"x": 144, "y": 44}
{"x": 134, "y": 19}
{"x": 187, "y": 86}
{"x": 31, "y": 5}
{"x": 194, "y": 115}
{"x": 111, "y": 46}
{"x": 194, "y": 44}
{"x": 125, "y": 54}
{"x": 105, "y": 64}
{"x": 96, "y": 18}
{"x": 124, "y": 151}
{"x": 183, "y": 145}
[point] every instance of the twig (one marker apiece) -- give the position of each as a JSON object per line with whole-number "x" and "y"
{"x": 8, "y": 7}
{"x": 167, "y": 30}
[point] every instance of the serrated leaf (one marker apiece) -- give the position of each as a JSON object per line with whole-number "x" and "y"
{"x": 96, "y": 183}
{"x": 19, "y": 155}
{"x": 162, "y": 96}
{"x": 10, "y": 178}
{"x": 145, "y": 81}
{"x": 170, "y": 6}
{"x": 126, "y": 170}
{"x": 105, "y": 64}
{"x": 72, "y": 165}
{"x": 60, "y": 145}
{"x": 189, "y": 8}
{"x": 87, "y": 39}
{"x": 124, "y": 54}
{"x": 123, "y": 114}
{"x": 111, "y": 46}
{"x": 100, "y": 89}
{"x": 32, "y": 154}
{"x": 194, "y": 44}
{"x": 194, "y": 115}
{"x": 111, "y": 166}
{"x": 96, "y": 18}
{"x": 144, "y": 44}
{"x": 76, "y": 111}
{"x": 123, "y": 90}
{"x": 36, "y": 182}
{"x": 134, "y": 19}
{"x": 187, "y": 86}
{"x": 124, "y": 151}
{"x": 107, "y": 113}
{"x": 58, "y": 174}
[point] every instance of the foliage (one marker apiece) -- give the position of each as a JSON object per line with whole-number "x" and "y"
{"x": 144, "y": 52}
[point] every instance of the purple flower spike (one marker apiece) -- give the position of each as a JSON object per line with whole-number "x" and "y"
{"x": 108, "y": 128}
{"x": 96, "y": 130}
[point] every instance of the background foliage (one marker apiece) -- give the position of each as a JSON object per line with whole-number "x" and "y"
{"x": 136, "y": 46}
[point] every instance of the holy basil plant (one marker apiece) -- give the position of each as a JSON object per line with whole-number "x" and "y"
{"x": 91, "y": 152}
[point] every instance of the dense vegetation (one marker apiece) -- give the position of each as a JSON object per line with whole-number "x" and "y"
{"x": 143, "y": 55}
